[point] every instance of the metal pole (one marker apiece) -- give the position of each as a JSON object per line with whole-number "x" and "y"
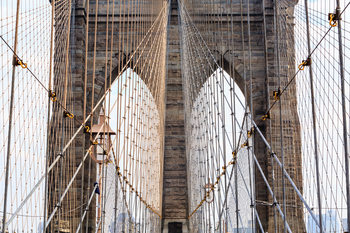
{"x": 314, "y": 119}
{"x": 8, "y": 157}
{"x": 345, "y": 134}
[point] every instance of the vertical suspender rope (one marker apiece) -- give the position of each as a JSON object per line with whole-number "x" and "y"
{"x": 106, "y": 135}
{"x": 92, "y": 96}
{"x": 233, "y": 111}
{"x": 85, "y": 104}
{"x": 233, "y": 117}
{"x": 49, "y": 112}
{"x": 268, "y": 107}
{"x": 67, "y": 56}
{"x": 251, "y": 147}
{"x": 345, "y": 133}
{"x": 245, "y": 94}
{"x": 59, "y": 203}
{"x": 83, "y": 211}
{"x": 314, "y": 119}
{"x": 277, "y": 51}
{"x": 109, "y": 100}
{"x": 8, "y": 156}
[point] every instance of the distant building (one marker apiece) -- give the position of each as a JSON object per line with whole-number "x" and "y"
{"x": 330, "y": 221}
{"x": 345, "y": 225}
{"x": 124, "y": 224}
{"x": 246, "y": 229}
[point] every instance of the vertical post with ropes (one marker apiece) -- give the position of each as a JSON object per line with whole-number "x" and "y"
{"x": 8, "y": 156}
{"x": 343, "y": 99}
{"x": 314, "y": 118}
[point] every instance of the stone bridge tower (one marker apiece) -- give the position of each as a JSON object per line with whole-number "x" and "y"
{"x": 264, "y": 75}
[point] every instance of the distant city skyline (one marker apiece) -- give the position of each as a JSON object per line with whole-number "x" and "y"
{"x": 331, "y": 223}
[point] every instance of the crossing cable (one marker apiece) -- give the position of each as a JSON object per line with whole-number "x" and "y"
{"x": 86, "y": 208}
{"x": 153, "y": 43}
{"x": 224, "y": 168}
{"x": 314, "y": 119}
{"x": 300, "y": 67}
{"x": 232, "y": 162}
{"x": 345, "y": 133}
{"x": 273, "y": 154}
{"x": 52, "y": 94}
{"x": 72, "y": 179}
{"x": 82, "y": 125}
{"x": 305, "y": 61}
{"x": 238, "y": 148}
{"x": 8, "y": 155}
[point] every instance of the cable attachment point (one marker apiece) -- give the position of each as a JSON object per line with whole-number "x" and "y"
{"x": 224, "y": 168}
{"x": 304, "y": 63}
{"x": 334, "y": 17}
{"x": 19, "y": 62}
{"x": 52, "y": 95}
{"x": 58, "y": 205}
{"x": 68, "y": 114}
{"x": 86, "y": 129}
{"x": 94, "y": 142}
{"x": 266, "y": 116}
{"x": 234, "y": 157}
{"x": 245, "y": 144}
{"x": 250, "y": 132}
{"x": 276, "y": 94}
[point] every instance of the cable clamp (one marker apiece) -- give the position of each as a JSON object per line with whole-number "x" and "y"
{"x": 94, "y": 142}
{"x": 52, "y": 95}
{"x": 60, "y": 155}
{"x": 250, "y": 132}
{"x": 276, "y": 94}
{"x": 245, "y": 144}
{"x": 304, "y": 63}
{"x": 334, "y": 17}
{"x": 86, "y": 129}
{"x": 68, "y": 114}
{"x": 18, "y": 62}
{"x": 266, "y": 116}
